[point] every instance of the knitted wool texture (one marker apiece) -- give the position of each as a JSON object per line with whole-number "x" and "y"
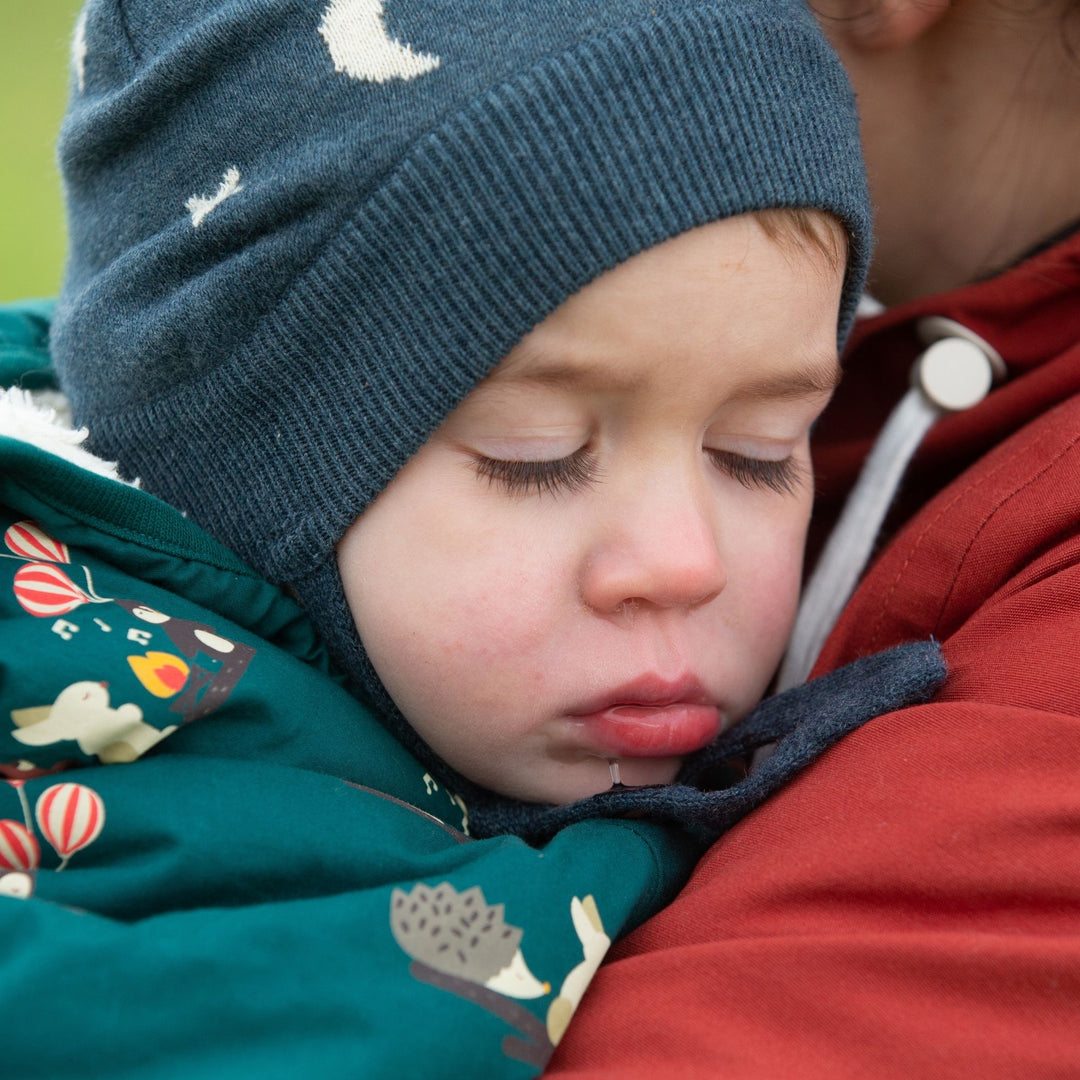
{"x": 289, "y": 262}
{"x": 301, "y": 233}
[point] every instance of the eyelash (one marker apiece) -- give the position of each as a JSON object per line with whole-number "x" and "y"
{"x": 579, "y": 470}
{"x": 568, "y": 474}
{"x": 783, "y": 476}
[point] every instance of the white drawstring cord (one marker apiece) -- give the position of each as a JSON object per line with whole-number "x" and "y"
{"x": 955, "y": 372}
{"x": 850, "y": 542}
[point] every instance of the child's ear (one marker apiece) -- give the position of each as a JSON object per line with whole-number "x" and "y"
{"x": 879, "y": 25}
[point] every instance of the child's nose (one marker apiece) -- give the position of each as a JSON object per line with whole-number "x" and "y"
{"x": 658, "y": 545}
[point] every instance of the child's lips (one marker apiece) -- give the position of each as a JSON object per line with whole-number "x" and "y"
{"x": 652, "y": 731}
{"x": 650, "y": 717}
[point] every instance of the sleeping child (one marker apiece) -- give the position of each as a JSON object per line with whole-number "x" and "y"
{"x": 466, "y": 357}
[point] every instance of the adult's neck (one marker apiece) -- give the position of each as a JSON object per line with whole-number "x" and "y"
{"x": 972, "y": 135}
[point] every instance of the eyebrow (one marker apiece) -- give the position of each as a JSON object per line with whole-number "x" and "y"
{"x": 814, "y": 377}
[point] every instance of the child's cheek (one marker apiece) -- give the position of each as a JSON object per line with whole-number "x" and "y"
{"x": 496, "y": 601}
{"x": 765, "y": 570}
{"x": 453, "y": 587}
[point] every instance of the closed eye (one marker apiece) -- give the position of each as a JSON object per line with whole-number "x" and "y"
{"x": 551, "y": 477}
{"x": 784, "y": 477}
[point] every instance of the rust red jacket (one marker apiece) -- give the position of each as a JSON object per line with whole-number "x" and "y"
{"x": 910, "y": 905}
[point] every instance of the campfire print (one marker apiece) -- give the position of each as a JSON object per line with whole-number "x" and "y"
{"x": 196, "y": 672}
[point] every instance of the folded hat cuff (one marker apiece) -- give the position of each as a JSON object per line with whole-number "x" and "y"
{"x": 490, "y": 221}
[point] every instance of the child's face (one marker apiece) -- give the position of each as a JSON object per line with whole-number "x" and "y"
{"x": 597, "y": 556}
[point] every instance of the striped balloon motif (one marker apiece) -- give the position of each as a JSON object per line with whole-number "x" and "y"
{"x": 29, "y": 541}
{"x": 70, "y": 816}
{"x": 18, "y": 847}
{"x": 43, "y": 590}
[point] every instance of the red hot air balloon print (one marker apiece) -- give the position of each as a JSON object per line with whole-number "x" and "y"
{"x": 45, "y": 590}
{"x": 30, "y": 541}
{"x": 18, "y": 847}
{"x": 70, "y": 816}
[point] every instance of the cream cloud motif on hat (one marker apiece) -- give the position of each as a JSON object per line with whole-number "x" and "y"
{"x": 198, "y": 206}
{"x": 361, "y": 47}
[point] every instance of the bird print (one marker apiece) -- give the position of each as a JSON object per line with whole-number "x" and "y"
{"x": 82, "y": 712}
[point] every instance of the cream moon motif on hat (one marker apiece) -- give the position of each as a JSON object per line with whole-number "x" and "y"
{"x": 360, "y": 46}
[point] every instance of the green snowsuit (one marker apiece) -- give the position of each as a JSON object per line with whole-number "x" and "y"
{"x": 213, "y": 860}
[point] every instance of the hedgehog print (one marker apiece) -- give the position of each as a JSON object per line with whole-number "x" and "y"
{"x": 461, "y": 944}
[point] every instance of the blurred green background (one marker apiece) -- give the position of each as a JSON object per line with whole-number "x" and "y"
{"x": 34, "y": 46}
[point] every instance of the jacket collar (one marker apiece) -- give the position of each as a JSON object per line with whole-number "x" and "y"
{"x": 1029, "y": 312}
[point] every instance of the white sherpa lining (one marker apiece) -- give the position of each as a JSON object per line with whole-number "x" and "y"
{"x": 43, "y": 419}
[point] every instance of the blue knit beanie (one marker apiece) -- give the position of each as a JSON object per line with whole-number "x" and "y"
{"x": 300, "y": 233}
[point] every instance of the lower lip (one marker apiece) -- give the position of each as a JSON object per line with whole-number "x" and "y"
{"x": 653, "y": 731}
